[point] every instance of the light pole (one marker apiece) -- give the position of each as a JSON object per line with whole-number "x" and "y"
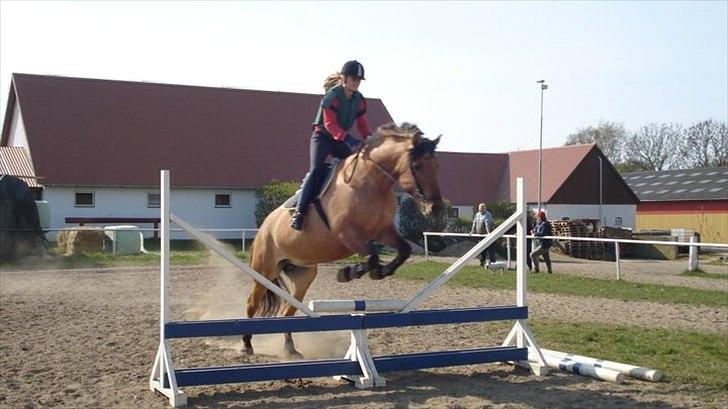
{"x": 540, "y": 144}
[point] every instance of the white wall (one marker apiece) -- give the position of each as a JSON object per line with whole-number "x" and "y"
{"x": 17, "y": 135}
{"x": 465, "y": 212}
{"x": 196, "y": 206}
{"x": 609, "y": 213}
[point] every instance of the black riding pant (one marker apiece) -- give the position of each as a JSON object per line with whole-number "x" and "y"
{"x": 321, "y": 146}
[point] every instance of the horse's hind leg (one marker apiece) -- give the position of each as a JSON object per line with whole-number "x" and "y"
{"x": 254, "y": 300}
{"x": 301, "y": 279}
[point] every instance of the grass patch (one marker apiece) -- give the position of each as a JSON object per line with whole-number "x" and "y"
{"x": 476, "y": 277}
{"x": 703, "y": 274}
{"x": 684, "y": 357}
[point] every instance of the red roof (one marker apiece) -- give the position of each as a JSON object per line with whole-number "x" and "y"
{"x": 87, "y": 132}
{"x": 117, "y": 133}
{"x": 558, "y": 164}
{"x": 471, "y": 178}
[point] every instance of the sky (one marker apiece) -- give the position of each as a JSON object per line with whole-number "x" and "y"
{"x": 467, "y": 70}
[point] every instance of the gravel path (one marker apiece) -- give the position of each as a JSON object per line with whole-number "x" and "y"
{"x": 87, "y": 338}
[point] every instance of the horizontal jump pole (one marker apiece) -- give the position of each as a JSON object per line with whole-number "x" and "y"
{"x": 583, "y": 369}
{"x": 266, "y": 372}
{"x": 441, "y": 359}
{"x": 638, "y": 372}
{"x": 275, "y": 325}
{"x": 356, "y": 305}
{"x": 332, "y": 367}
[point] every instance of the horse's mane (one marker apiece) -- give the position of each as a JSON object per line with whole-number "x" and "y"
{"x": 421, "y": 144}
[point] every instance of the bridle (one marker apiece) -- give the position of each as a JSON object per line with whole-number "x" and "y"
{"x": 416, "y": 194}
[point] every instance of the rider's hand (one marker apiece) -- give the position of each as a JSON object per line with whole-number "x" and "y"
{"x": 352, "y": 142}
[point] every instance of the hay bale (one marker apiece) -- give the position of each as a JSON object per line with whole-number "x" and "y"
{"x": 84, "y": 239}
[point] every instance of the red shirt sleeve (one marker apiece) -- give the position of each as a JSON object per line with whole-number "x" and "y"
{"x": 361, "y": 120}
{"x": 330, "y": 122}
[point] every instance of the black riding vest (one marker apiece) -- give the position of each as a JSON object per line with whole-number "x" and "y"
{"x": 346, "y": 112}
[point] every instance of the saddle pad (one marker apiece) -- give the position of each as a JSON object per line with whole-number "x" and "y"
{"x": 329, "y": 172}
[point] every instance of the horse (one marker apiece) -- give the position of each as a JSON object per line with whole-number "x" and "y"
{"x": 360, "y": 205}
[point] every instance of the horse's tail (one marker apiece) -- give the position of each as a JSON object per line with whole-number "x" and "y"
{"x": 270, "y": 304}
{"x": 331, "y": 81}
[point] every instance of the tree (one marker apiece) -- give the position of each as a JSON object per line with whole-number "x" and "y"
{"x": 654, "y": 146}
{"x": 609, "y": 136}
{"x": 706, "y": 144}
{"x": 631, "y": 166}
{"x": 270, "y": 196}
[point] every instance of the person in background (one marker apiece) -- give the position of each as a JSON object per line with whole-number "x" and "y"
{"x": 341, "y": 107}
{"x": 543, "y": 228}
{"x": 483, "y": 224}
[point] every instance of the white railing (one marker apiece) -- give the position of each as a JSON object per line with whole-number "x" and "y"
{"x": 243, "y": 234}
{"x": 693, "y": 261}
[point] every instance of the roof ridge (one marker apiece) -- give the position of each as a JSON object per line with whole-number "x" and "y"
{"x": 162, "y": 84}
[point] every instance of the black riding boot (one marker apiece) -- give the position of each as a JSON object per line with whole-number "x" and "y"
{"x": 308, "y": 190}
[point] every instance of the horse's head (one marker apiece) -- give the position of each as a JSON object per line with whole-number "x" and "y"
{"x": 416, "y": 166}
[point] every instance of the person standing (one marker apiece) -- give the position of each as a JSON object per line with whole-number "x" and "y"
{"x": 543, "y": 228}
{"x": 341, "y": 107}
{"x": 483, "y": 224}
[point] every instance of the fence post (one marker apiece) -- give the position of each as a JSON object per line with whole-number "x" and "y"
{"x": 426, "y": 252}
{"x": 508, "y": 253}
{"x": 616, "y": 260}
{"x": 693, "y": 262}
{"x": 243, "y": 240}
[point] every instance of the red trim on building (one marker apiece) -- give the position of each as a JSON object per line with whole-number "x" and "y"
{"x": 682, "y": 207}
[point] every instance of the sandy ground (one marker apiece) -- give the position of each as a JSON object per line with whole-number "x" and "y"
{"x": 87, "y": 338}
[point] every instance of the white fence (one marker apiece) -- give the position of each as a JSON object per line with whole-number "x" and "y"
{"x": 693, "y": 261}
{"x": 244, "y": 233}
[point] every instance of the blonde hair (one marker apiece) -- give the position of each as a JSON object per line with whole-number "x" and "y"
{"x": 332, "y": 80}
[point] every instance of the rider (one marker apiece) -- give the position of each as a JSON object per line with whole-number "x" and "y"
{"x": 341, "y": 106}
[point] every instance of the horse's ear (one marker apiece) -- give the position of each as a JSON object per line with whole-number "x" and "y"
{"x": 436, "y": 141}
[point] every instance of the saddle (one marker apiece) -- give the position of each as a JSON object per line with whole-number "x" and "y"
{"x": 321, "y": 186}
{"x": 326, "y": 177}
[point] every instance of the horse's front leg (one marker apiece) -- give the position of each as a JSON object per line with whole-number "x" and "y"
{"x": 392, "y": 238}
{"x": 349, "y": 273}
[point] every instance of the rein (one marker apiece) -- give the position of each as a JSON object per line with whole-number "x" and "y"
{"x": 416, "y": 194}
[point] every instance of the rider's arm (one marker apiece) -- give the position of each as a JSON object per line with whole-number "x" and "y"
{"x": 361, "y": 120}
{"x": 331, "y": 124}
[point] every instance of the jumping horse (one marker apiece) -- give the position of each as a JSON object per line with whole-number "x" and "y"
{"x": 360, "y": 205}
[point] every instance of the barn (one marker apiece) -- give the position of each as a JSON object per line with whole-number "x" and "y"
{"x": 578, "y": 182}
{"x": 97, "y": 146}
{"x": 694, "y": 200}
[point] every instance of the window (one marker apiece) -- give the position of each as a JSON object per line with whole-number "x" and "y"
{"x": 84, "y": 199}
{"x": 222, "y": 200}
{"x": 618, "y": 221}
{"x": 154, "y": 199}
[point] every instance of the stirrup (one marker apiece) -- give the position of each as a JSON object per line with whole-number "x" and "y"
{"x": 297, "y": 221}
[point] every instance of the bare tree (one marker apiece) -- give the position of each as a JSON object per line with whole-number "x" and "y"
{"x": 655, "y": 146}
{"x": 609, "y": 136}
{"x": 706, "y": 144}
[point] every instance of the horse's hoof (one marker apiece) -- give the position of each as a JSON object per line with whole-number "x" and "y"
{"x": 294, "y": 354}
{"x": 344, "y": 276}
{"x": 376, "y": 274}
{"x": 248, "y": 351}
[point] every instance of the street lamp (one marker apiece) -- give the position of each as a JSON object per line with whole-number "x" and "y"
{"x": 540, "y": 144}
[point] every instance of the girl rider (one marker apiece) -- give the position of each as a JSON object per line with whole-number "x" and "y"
{"x": 340, "y": 108}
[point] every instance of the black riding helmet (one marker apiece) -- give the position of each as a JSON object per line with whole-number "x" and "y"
{"x": 353, "y": 69}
